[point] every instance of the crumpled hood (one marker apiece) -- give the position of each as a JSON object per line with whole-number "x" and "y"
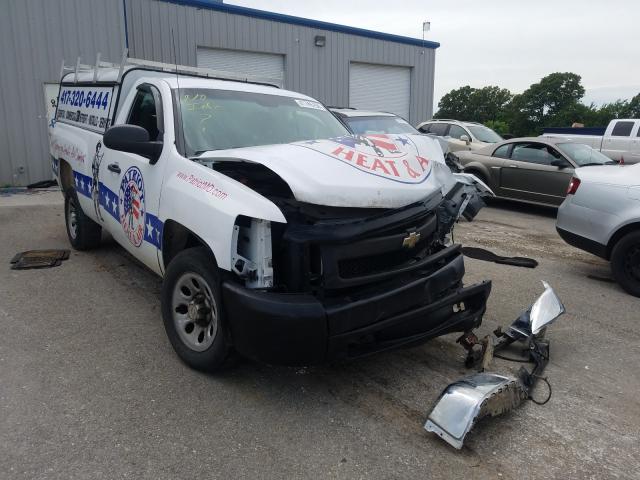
{"x": 378, "y": 171}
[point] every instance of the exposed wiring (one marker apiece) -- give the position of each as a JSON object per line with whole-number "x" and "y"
{"x": 544, "y": 379}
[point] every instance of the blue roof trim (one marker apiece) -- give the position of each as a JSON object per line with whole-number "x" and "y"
{"x": 305, "y": 22}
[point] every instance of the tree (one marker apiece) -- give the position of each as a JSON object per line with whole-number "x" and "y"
{"x": 474, "y": 104}
{"x": 634, "y": 107}
{"x": 545, "y": 103}
{"x": 456, "y": 104}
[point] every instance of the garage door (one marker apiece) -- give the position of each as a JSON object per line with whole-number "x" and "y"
{"x": 263, "y": 65}
{"x": 380, "y": 87}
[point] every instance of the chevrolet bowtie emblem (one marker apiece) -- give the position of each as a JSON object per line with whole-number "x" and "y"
{"x": 411, "y": 240}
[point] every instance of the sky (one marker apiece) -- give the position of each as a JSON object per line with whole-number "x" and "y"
{"x": 509, "y": 43}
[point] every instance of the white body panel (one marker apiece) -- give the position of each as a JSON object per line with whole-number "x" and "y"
{"x": 384, "y": 171}
{"x": 616, "y": 147}
{"x": 607, "y": 199}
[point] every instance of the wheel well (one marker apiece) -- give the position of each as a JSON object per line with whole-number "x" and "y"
{"x": 66, "y": 175}
{"x": 176, "y": 238}
{"x": 619, "y": 234}
{"x": 476, "y": 171}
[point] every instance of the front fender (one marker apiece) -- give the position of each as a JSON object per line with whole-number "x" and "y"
{"x": 208, "y": 203}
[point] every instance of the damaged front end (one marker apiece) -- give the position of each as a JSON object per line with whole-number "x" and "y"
{"x": 339, "y": 282}
{"x": 463, "y": 403}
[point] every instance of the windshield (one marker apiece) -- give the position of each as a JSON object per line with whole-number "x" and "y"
{"x": 583, "y": 154}
{"x": 223, "y": 119}
{"x": 381, "y": 124}
{"x": 484, "y": 134}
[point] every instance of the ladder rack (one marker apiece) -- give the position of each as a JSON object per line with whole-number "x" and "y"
{"x": 130, "y": 63}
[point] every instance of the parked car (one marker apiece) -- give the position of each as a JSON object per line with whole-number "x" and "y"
{"x": 461, "y": 135}
{"x": 277, "y": 233}
{"x": 530, "y": 169}
{"x": 601, "y": 215}
{"x": 363, "y": 122}
{"x": 620, "y": 140}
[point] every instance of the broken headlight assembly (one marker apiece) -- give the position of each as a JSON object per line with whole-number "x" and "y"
{"x": 251, "y": 257}
{"x": 483, "y": 394}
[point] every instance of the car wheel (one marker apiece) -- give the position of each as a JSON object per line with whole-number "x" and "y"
{"x": 192, "y": 311}
{"x": 625, "y": 263}
{"x": 83, "y": 233}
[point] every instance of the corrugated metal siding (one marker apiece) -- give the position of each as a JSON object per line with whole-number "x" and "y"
{"x": 35, "y": 35}
{"x": 380, "y": 87}
{"x": 264, "y": 65}
{"x": 321, "y": 72}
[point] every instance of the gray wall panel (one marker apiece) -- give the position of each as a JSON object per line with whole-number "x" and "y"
{"x": 34, "y": 37}
{"x": 36, "y": 34}
{"x": 322, "y": 73}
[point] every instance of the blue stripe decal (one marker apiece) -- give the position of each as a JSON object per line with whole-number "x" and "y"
{"x": 109, "y": 202}
{"x": 83, "y": 184}
{"x": 153, "y": 228}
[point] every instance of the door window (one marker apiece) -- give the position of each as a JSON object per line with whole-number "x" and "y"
{"x": 144, "y": 112}
{"x": 622, "y": 129}
{"x": 502, "y": 152}
{"x": 456, "y": 132}
{"x": 532, "y": 153}
{"x": 439, "y": 129}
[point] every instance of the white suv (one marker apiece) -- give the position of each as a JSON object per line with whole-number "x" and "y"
{"x": 460, "y": 135}
{"x": 601, "y": 215}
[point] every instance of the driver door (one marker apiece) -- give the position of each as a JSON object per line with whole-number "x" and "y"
{"x": 528, "y": 174}
{"x": 131, "y": 184}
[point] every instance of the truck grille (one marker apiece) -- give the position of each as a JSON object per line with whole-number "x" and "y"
{"x": 378, "y": 257}
{"x": 375, "y": 264}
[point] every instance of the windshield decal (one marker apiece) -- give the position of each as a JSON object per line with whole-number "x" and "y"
{"x": 309, "y": 104}
{"x": 391, "y": 157}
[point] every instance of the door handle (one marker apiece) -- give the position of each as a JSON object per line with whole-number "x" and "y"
{"x": 114, "y": 167}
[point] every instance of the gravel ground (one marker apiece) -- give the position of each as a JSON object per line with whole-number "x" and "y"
{"x": 90, "y": 387}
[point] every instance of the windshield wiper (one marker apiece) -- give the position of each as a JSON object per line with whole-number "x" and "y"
{"x": 596, "y": 164}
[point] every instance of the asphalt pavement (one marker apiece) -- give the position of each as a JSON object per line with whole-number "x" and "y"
{"x": 90, "y": 387}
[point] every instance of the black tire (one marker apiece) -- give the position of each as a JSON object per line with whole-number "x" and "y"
{"x": 83, "y": 233}
{"x": 187, "y": 328}
{"x": 625, "y": 263}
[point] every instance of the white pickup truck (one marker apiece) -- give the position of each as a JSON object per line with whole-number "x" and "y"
{"x": 620, "y": 141}
{"x": 278, "y": 234}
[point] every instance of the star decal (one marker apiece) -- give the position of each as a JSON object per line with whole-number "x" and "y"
{"x": 150, "y": 229}
{"x": 402, "y": 140}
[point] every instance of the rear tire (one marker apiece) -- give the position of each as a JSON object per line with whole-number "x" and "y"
{"x": 83, "y": 233}
{"x": 625, "y": 263}
{"x": 192, "y": 310}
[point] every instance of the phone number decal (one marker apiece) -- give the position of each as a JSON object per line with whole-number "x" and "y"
{"x": 86, "y": 107}
{"x": 85, "y": 98}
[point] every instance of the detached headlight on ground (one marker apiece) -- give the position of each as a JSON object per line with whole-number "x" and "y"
{"x": 483, "y": 394}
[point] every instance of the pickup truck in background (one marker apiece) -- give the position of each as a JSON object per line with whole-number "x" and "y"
{"x": 619, "y": 141}
{"x": 278, "y": 233}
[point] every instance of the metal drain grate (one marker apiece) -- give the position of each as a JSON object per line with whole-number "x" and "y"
{"x": 38, "y": 259}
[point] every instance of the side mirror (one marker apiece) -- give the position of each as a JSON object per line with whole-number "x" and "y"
{"x": 132, "y": 139}
{"x": 560, "y": 163}
{"x": 465, "y": 139}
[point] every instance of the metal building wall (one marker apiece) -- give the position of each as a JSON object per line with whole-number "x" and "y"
{"x": 321, "y": 72}
{"x": 35, "y": 35}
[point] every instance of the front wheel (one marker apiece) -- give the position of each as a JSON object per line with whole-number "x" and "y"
{"x": 625, "y": 263}
{"x": 192, "y": 310}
